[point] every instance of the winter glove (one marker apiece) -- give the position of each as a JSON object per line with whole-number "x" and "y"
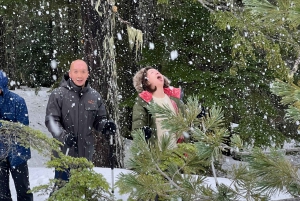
{"x": 147, "y": 131}
{"x": 70, "y": 140}
{"x": 202, "y": 113}
{"x": 109, "y": 128}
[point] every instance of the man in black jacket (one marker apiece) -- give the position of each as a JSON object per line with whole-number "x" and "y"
{"x": 73, "y": 110}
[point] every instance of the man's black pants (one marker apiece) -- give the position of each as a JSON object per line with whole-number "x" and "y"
{"x": 21, "y": 179}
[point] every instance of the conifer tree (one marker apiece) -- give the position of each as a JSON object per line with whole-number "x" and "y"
{"x": 229, "y": 57}
{"x": 159, "y": 168}
{"x": 84, "y": 183}
{"x": 179, "y": 172}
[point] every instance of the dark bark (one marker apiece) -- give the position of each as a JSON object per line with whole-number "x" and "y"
{"x": 145, "y": 17}
{"x": 72, "y": 26}
{"x": 100, "y": 55}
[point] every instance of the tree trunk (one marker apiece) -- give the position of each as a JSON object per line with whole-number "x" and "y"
{"x": 2, "y": 42}
{"x": 72, "y": 26}
{"x": 98, "y": 29}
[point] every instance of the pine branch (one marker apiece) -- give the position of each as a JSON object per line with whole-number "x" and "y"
{"x": 166, "y": 173}
{"x": 206, "y": 5}
{"x": 14, "y": 132}
{"x": 243, "y": 183}
{"x": 270, "y": 167}
{"x": 236, "y": 142}
{"x": 284, "y": 11}
{"x": 167, "y": 177}
{"x": 84, "y": 181}
{"x": 289, "y": 92}
{"x": 213, "y": 6}
{"x": 214, "y": 171}
{"x": 210, "y": 144}
{"x": 260, "y": 6}
{"x": 216, "y": 118}
{"x": 174, "y": 123}
{"x": 85, "y": 184}
{"x": 257, "y": 30}
{"x": 293, "y": 114}
{"x": 185, "y": 122}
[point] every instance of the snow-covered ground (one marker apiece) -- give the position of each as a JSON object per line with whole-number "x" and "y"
{"x": 39, "y": 174}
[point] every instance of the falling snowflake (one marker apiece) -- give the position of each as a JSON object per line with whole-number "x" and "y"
{"x": 174, "y": 54}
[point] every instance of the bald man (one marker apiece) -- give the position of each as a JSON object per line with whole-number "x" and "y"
{"x": 73, "y": 110}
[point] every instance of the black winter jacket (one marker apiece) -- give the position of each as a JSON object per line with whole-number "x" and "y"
{"x": 75, "y": 110}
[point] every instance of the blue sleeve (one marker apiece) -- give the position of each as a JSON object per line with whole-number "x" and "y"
{"x": 22, "y": 112}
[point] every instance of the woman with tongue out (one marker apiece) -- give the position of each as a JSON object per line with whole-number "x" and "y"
{"x": 153, "y": 87}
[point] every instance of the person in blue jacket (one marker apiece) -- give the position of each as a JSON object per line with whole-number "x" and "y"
{"x": 13, "y": 156}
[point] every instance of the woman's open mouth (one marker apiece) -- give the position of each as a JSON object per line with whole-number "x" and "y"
{"x": 159, "y": 77}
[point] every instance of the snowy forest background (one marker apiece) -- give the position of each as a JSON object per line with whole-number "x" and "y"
{"x": 228, "y": 52}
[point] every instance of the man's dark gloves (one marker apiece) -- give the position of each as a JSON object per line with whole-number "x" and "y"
{"x": 109, "y": 128}
{"x": 70, "y": 140}
{"x": 202, "y": 113}
{"x": 147, "y": 131}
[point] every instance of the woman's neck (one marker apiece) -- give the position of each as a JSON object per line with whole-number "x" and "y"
{"x": 159, "y": 93}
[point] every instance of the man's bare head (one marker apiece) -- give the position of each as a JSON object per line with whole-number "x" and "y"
{"x": 79, "y": 72}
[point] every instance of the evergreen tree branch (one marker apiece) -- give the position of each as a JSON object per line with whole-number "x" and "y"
{"x": 284, "y": 9}
{"x": 223, "y": 5}
{"x": 290, "y": 94}
{"x": 293, "y": 113}
{"x": 205, "y": 5}
{"x": 255, "y": 36}
{"x": 270, "y": 167}
{"x": 295, "y": 67}
{"x": 167, "y": 177}
{"x": 216, "y": 118}
{"x": 15, "y": 132}
{"x": 84, "y": 182}
{"x": 288, "y": 91}
{"x": 214, "y": 171}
